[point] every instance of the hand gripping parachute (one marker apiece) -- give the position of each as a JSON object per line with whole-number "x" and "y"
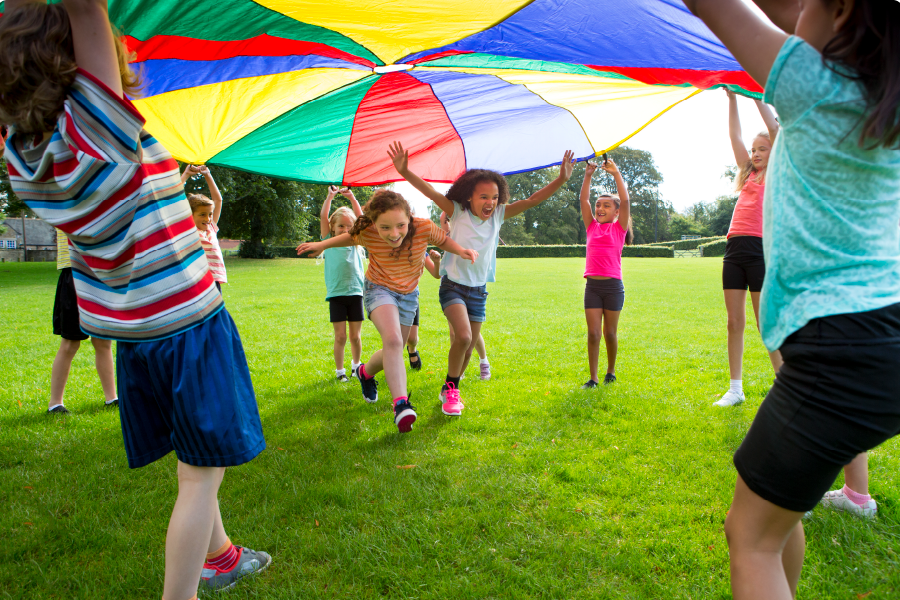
{"x": 314, "y": 90}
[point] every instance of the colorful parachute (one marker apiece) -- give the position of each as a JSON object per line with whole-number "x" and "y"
{"x": 315, "y": 90}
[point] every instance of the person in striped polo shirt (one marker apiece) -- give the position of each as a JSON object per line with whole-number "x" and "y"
{"x": 66, "y": 325}
{"x": 78, "y": 155}
{"x": 206, "y": 212}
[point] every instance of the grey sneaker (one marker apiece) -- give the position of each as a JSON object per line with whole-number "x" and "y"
{"x": 249, "y": 563}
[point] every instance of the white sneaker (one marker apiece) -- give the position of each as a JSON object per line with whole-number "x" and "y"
{"x": 837, "y": 500}
{"x": 731, "y": 398}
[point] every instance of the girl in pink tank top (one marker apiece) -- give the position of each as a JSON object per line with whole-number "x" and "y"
{"x": 608, "y": 228}
{"x": 744, "y": 267}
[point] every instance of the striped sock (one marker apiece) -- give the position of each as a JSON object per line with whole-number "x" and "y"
{"x": 224, "y": 559}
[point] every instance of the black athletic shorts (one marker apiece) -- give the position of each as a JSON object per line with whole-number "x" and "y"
{"x": 66, "y": 323}
{"x": 837, "y": 394}
{"x": 416, "y": 318}
{"x": 346, "y": 308}
{"x": 608, "y": 294}
{"x": 743, "y": 266}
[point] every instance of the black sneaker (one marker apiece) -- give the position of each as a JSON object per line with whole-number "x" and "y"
{"x": 591, "y": 384}
{"x": 369, "y": 386}
{"x": 415, "y": 366}
{"x": 404, "y": 415}
{"x": 342, "y": 378}
{"x": 59, "y": 409}
{"x": 610, "y": 378}
{"x": 113, "y": 402}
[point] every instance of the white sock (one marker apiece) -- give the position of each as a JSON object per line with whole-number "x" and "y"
{"x": 736, "y": 387}
{"x": 484, "y": 361}
{"x": 339, "y": 372}
{"x": 354, "y": 365}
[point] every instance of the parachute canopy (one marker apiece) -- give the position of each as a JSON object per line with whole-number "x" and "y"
{"x": 315, "y": 90}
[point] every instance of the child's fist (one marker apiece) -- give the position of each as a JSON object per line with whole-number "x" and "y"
{"x": 435, "y": 255}
{"x": 589, "y": 168}
{"x": 194, "y": 169}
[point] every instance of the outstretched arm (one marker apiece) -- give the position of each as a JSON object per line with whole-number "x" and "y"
{"x": 354, "y": 203}
{"x": 752, "y": 41}
{"x": 734, "y": 131}
{"x": 765, "y": 111}
{"x": 622, "y": 189}
{"x": 214, "y": 194}
{"x": 340, "y": 241}
{"x": 324, "y": 225}
{"x": 565, "y": 172}
{"x": 400, "y": 158}
{"x": 92, "y": 38}
{"x": 450, "y": 246}
{"x": 587, "y": 211}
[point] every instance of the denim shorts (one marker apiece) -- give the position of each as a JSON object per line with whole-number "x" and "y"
{"x": 474, "y": 298}
{"x": 378, "y": 295}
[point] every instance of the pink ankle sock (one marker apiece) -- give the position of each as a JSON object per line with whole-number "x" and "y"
{"x": 362, "y": 369}
{"x": 858, "y": 499}
{"x": 396, "y": 400}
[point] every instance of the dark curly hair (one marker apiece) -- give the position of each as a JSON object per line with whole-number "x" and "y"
{"x": 382, "y": 201}
{"x": 462, "y": 189}
{"x": 869, "y": 43}
{"x": 37, "y": 66}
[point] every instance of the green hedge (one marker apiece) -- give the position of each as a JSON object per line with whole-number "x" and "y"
{"x": 573, "y": 251}
{"x": 716, "y": 248}
{"x": 687, "y": 244}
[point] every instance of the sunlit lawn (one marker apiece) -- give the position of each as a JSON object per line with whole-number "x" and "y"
{"x": 540, "y": 490}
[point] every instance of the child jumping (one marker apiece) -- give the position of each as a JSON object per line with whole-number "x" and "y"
{"x": 831, "y": 299}
{"x": 343, "y": 281}
{"x": 206, "y": 212}
{"x": 396, "y": 242}
{"x": 477, "y": 205}
{"x": 608, "y": 227}
{"x": 744, "y": 266}
{"x": 79, "y": 157}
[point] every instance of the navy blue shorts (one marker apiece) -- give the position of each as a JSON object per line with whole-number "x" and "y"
{"x": 190, "y": 393}
{"x": 473, "y": 298}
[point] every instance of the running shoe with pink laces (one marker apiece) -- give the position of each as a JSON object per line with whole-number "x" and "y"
{"x": 485, "y": 371}
{"x": 452, "y": 405}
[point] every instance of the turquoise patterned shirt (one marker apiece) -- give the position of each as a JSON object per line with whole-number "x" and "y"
{"x": 832, "y": 209}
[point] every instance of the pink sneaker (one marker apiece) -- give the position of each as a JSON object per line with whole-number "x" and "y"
{"x": 452, "y": 405}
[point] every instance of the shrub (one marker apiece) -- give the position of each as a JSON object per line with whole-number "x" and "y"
{"x": 574, "y": 251}
{"x": 716, "y": 248}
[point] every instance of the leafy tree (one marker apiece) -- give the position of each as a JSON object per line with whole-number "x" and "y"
{"x": 714, "y": 217}
{"x": 10, "y": 204}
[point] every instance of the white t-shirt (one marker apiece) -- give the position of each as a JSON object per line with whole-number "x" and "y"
{"x": 469, "y": 231}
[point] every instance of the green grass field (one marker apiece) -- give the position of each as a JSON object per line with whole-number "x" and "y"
{"x": 540, "y": 490}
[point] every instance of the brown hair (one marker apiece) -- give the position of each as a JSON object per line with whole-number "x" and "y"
{"x": 629, "y": 233}
{"x": 462, "y": 189}
{"x": 382, "y": 201}
{"x": 37, "y": 66}
{"x": 199, "y": 200}
{"x": 747, "y": 168}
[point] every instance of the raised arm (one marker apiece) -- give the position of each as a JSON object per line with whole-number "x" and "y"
{"x": 92, "y": 38}
{"x": 753, "y": 42}
{"x": 734, "y": 131}
{"x": 587, "y": 211}
{"x": 354, "y": 203}
{"x": 214, "y": 194}
{"x": 324, "y": 224}
{"x": 450, "y": 246}
{"x": 433, "y": 264}
{"x": 565, "y": 172}
{"x": 400, "y": 158}
{"x": 783, "y": 14}
{"x": 340, "y": 241}
{"x": 189, "y": 171}
{"x": 765, "y": 111}
{"x": 622, "y": 190}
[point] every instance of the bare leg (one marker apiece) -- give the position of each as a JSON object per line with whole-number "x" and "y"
{"x": 479, "y": 346}
{"x": 610, "y": 326}
{"x": 458, "y": 317}
{"x": 390, "y": 358}
{"x": 594, "y": 317}
{"x": 356, "y": 340}
{"x": 59, "y": 373}
{"x": 476, "y": 335}
{"x": 766, "y": 546}
{"x": 191, "y": 529}
{"x": 774, "y": 357}
{"x": 340, "y": 341}
{"x": 218, "y": 537}
{"x": 856, "y": 474}
{"x": 106, "y": 367}
{"x": 735, "y": 306}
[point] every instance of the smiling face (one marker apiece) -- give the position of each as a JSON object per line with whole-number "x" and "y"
{"x": 759, "y": 153}
{"x": 341, "y": 224}
{"x": 203, "y": 217}
{"x": 484, "y": 200}
{"x": 605, "y": 210}
{"x": 392, "y": 226}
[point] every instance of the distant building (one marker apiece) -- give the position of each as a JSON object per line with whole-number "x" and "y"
{"x": 40, "y": 236}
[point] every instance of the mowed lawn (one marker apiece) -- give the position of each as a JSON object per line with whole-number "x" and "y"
{"x": 540, "y": 490}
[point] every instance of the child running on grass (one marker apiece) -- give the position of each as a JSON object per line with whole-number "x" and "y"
{"x": 831, "y": 299}
{"x": 79, "y": 157}
{"x": 206, "y": 213}
{"x": 432, "y": 264}
{"x": 396, "y": 242}
{"x": 608, "y": 227}
{"x": 343, "y": 281}
{"x": 744, "y": 266}
{"x": 477, "y": 205}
